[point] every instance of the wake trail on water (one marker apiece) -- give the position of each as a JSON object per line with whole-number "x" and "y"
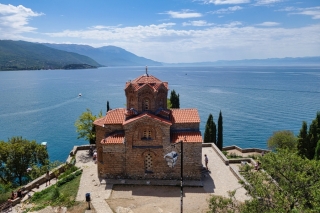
{"x": 40, "y": 109}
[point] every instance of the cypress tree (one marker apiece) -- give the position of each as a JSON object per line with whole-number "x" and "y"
{"x": 220, "y": 132}
{"x": 108, "y": 108}
{"x": 317, "y": 152}
{"x": 210, "y": 131}
{"x": 313, "y": 137}
{"x": 303, "y": 140}
{"x": 174, "y": 99}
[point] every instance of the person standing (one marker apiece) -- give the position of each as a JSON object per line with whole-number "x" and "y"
{"x": 206, "y": 160}
{"x": 47, "y": 178}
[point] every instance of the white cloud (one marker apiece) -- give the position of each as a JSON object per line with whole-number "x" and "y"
{"x": 287, "y": 9}
{"x": 226, "y": 1}
{"x": 266, "y": 2}
{"x": 200, "y": 23}
{"x": 183, "y": 14}
{"x": 100, "y": 27}
{"x": 15, "y": 19}
{"x": 231, "y": 41}
{"x": 268, "y": 24}
{"x": 232, "y": 24}
{"x": 227, "y": 10}
{"x": 314, "y": 12}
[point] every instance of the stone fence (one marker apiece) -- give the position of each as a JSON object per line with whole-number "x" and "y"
{"x": 226, "y": 148}
{"x": 75, "y": 149}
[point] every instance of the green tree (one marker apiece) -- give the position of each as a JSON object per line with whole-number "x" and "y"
{"x": 17, "y": 155}
{"x": 308, "y": 141}
{"x": 210, "y": 131}
{"x": 220, "y": 132}
{"x": 303, "y": 140}
{"x": 174, "y": 100}
{"x": 314, "y": 136}
{"x": 284, "y": 139}
{"x": 290, "y": 184}
{"x": 85, "y": 127}
{"x": 108, "y": 108}
{"x": 169, "y": 105}
{"x": 317, "y": 152}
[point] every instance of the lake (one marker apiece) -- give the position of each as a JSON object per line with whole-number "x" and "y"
{"x": 255, "y": 101}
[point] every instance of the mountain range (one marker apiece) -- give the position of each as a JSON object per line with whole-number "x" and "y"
{"x": 22, "y": 55}
{"x": 107, "y": 55}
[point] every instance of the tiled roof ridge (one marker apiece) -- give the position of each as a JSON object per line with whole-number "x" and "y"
{"x": 189, "y": 136}
{"x": 149, "y": 115}
{"x": 99, "y": 121}
{"x": 146, "y": 80}
{"x": 115, "y": 138}
{"x": 188, "y": 115}
{"x": 149, "y": 77}
{"x": 115, "y": 116}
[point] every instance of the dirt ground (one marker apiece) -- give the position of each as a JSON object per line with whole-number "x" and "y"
{"x": 158, "y": 199}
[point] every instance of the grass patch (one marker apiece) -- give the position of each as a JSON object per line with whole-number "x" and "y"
{"x": 63, "y": 195}
{"x": 233, "y": 155}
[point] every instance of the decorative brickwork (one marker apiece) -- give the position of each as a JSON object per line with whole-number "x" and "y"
{"x": 132, "y": 142}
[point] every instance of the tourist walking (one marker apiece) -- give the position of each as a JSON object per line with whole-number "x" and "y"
{"x": 206, "y": 160}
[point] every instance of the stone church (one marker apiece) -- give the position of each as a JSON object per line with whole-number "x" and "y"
{"x": 131, "y": 142}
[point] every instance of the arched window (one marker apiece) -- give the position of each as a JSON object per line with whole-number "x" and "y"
{"x": 146, "y": 135}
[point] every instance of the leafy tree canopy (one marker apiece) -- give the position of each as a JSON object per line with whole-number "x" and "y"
{"x": 85, "y": 127}
{"x": 17, "y": 155}
{"x": 284, "y": 139}
{"x": 290, "y": 184}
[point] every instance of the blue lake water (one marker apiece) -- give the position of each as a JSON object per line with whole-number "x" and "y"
{"x": 255, "y": 101}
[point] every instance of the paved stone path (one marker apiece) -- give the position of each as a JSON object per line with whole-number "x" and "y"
{"x": 221, "y": 179}
{"x": 90, "y": 183}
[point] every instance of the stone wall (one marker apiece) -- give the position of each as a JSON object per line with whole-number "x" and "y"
{"x": 181, "y": 126}
{"x": 124, "y": 161}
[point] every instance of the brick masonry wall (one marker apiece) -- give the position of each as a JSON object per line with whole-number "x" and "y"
{"x": 178, "y": 126}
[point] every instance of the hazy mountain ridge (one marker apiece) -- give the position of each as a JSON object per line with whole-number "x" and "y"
{"x": 288, "y": 61}
{"x": 107, "y": 55}
{"x": 22, "y": 55}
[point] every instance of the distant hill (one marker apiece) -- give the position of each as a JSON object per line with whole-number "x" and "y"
{"x": 288, "y": 61}
{"x": 107, "y": 55}
{"x": 22, "y": 55}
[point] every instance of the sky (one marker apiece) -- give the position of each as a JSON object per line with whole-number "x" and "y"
{"x": 171, "y": 31}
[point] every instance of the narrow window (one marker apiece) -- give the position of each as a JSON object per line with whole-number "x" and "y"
{"x": 146, "y": 104}
{"x": 146, "y": 134}
{"x": 148, "y": 163}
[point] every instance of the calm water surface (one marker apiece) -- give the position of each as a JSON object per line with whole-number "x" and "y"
{"x": 255, "y": 101}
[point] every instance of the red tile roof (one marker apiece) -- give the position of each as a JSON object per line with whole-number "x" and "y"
{"x": 185, "y": 116}
{"x": 144, "y": 80}
{"x": 112, "y": 139}
{"x": 115, "y": 116}
{"x": 186, "y": 137}
{"x": 99, "y": 121}
{"x": 147, "y": 115}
